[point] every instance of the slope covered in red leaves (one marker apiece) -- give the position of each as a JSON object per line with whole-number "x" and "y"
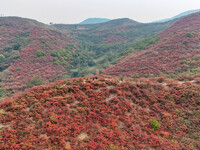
{"x": 177, "y": 51}
{"x": 21, "y": 40}
{"x": 103, "y": 113}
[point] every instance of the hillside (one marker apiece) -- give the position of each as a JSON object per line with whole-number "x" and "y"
{"x": 125, "y": 29}
{"x": 103, "y": 113}
{"x": 94, "y": 20}
{"x": 33, "y": 53}
{"x": 26, "y": 49}
{"x": 104, "y": 44}
{"x": 177, "y": 52}
{"x": 178, "y": 16}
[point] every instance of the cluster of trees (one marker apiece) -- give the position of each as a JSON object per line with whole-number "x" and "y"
{"x": 102, "y": 56}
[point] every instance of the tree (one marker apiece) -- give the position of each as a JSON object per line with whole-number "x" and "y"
{"x": 2, "y": 58}
{"x": 35, "y": 81}
{"x": 40, "y": 53}
{"x": 2, "y": 92}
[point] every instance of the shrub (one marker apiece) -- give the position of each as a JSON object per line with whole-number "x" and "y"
{"x": 16, "y": 46}
{"x": 144, "y": 43}
{"x": 161, "y": 79}
{"x": 101, "y": 72}
{"x": 135, "y": 76}
{"x": 197, "y": 113}
{"x": 18, "y": 69}
{"x": 40, "y": 53}
{"x": 2, "y": 58}
{"x": 189, "y": 34}
{"x": 112, "y": 147}
{"x": 35, "y": 81}
{"x": 185, "y": 42}
{"x": 2, "y": 92}
{"x": 154, "y": 124}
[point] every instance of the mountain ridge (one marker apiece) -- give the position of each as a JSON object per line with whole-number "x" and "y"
{"x": 94, "y": 20}
{"x": 184, "y": 33}
{"x": 178, "y": 16}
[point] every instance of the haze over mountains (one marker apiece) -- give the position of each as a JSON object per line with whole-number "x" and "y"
{"x": 101, "y": 20}
{"x": 94, "y": 20}
{"x": 178, "y": 16}
{"x": 130, "y": 85}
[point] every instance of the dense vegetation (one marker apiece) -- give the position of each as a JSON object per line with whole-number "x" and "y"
{"x": 104, "y": 44}
{"x": 103, "y": 113}
{"x": 177, "y": 52}
{"x": 100, "y": 112}
{"x": 25, "y": 52}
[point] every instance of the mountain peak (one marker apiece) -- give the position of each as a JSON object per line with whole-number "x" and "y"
{"x": 179, "y": 15}
{"x": 95, "y": 20}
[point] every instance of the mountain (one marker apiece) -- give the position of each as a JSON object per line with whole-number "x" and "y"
{"x": 33, "y": 53}
{"x": 103, "y": 113}
{"x": 26, "y": 49}
{"x": 104, "y": 44}
{"x": 178, "y": 16}
{"x": 134, "y": 104}
{"x": 177, "y": 52}
{"x": 94, "y": 20}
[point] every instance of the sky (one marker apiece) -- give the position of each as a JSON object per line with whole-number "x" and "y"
{"x": 75, "y": 11}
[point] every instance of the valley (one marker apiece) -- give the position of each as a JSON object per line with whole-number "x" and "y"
{"x": 114, "y": 85}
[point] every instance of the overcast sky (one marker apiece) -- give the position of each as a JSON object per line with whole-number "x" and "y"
{"x": 75, "y": 11}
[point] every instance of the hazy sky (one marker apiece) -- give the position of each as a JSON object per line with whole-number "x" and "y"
{"x": 75, "y": 11}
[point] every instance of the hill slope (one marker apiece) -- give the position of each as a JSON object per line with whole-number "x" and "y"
{"x": 124, "y": 28}
{"x": 103, "y": 113}
{"x": 26, "y": 47}
{"x": 94, "y": 20}
{"x": 178, "y": 16}
{"x": 33, "y": 53}
{"x": 104, "y": 44}
{"x": 177, "y": 51}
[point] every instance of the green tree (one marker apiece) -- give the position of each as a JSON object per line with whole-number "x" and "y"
{"x": 2, "y": 58}
{"x": 35, "y": 81}
{"x": 2, "y": 92}
{"x": 154, "y": 124}
{"x": 40, "y": 53}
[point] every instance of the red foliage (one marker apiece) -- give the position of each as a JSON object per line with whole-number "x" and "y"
{"x": 98, "y": 112}
{"x": 40, "y": 37}
{"x": 166, "y": 55}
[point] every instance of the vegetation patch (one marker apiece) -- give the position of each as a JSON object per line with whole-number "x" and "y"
{"x": 144, "y": 43}
{"x": 2, "y": 92}
{"x": 39, "y": 53}
{"x": 154, "y": 124}
{"x": 35, "y": 81}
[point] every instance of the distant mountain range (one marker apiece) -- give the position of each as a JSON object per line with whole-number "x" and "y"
{"x": 103, "y": 20}
{"x": 178, "y": 16}
{"x": 95, "y": 20}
